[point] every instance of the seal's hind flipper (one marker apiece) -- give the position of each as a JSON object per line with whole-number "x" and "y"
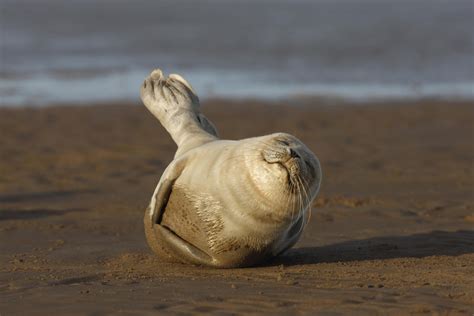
{"x": 174, "y": 103}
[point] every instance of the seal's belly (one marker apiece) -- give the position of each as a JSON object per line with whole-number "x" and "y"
{"x": 199, "y": 220}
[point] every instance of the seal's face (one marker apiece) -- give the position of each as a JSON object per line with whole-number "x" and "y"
{"x": 287, "y": 171}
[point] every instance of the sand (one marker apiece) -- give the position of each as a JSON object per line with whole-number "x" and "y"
{"x": 391, "y": 231}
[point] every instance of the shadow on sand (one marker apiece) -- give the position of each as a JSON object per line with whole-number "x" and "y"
{"x": 18, "y": 214}
{"x": 40, "y": 196}
{"x": 435, "y": 243}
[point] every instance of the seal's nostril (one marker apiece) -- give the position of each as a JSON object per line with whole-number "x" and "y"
{"x": 293, "y": 153}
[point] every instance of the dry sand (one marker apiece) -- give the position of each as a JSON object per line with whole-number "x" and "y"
{"x": 391, "y": 231}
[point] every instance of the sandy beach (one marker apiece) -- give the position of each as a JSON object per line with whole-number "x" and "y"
{"x": 391, "y": 231}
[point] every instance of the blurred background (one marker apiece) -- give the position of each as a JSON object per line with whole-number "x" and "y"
{"x": 80, "y": 51}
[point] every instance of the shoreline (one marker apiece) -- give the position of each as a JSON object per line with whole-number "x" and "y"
{"x": 291, "y": 101}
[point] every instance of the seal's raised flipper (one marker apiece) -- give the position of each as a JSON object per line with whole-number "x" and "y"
{"x": 174, "y": 103}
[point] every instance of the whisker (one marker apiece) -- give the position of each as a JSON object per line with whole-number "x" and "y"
{"x": 307, "y": 198}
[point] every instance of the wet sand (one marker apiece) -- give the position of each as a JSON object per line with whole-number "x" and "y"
{"x": 391, "y": 231}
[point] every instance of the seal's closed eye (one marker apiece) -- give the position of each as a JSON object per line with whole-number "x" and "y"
{"x": 283, "y": 142}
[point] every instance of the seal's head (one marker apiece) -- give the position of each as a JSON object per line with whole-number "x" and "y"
{"x": 285, "y": 171}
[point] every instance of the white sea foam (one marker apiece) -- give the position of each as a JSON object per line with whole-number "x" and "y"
{"x": 123, "y": 86}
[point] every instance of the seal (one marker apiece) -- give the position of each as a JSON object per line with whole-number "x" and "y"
{"x": 224, "y": 203}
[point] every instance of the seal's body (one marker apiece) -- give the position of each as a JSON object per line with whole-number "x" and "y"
{"x": 224, "y": 203}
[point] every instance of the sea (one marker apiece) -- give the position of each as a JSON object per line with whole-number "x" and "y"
{"x": 85, "y": 51}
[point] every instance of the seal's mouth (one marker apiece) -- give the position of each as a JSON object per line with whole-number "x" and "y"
{"x": 288, "y": 159}
{"x": 291, "y": 168}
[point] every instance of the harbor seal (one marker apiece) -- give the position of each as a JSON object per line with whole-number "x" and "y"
{"x": 224, "y": 203}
